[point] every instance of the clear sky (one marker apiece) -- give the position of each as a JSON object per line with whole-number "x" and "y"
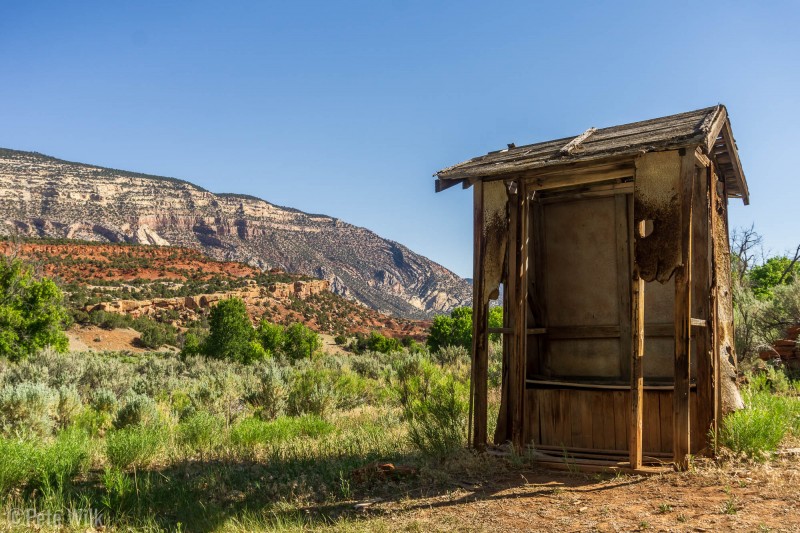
{"x": 348, "y": 108}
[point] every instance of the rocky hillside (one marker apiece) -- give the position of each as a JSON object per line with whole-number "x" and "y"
{"x": 45, "y": 197}
{"x": 178, "y": 286}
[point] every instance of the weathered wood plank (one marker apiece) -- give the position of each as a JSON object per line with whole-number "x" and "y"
{"x": 683, "y": 313}
{"x": 665, "y": 410}
{"x": 622, "y": 220}
{"x": 637, "y": 372}
{"x": 701, "y": 279}
{"x": 480, "y": 353}
{"x": 651, "y": 425}
{"x": 622, "y": 419}
{"x": 518, "y": 355}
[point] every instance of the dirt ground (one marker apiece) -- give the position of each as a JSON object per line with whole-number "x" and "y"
{"x": 708, "y": 498}
{"x": 95, "y": 339}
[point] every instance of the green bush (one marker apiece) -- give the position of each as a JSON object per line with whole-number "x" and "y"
{"x": 300, "y": 342}
{"x": 374, "y": 342}
{"x": 414, "y": 377}
{"x": 231, "y": 335}
{"x": 58, "y": 462}
{"x": 271, "y": 336}
{"x": 32, "y": 314}
{"x": 134, "y": 446}
{"x": 136, "y": 410}
{"x": 453, "y": 330}
{"x": 352, "y": 390}
{"x": 47, "y": 467}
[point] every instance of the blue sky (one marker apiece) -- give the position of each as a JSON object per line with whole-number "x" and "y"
{"x": 348, "y": 108}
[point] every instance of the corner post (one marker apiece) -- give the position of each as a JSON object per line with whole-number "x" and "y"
{"x": 480, "y": 353}
{"x": 683, "y": 319}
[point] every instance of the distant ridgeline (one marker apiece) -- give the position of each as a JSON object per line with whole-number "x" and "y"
{"x": 41, "y": 196}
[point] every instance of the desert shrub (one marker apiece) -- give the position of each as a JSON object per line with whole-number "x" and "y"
{"x": 68, "y": 405}
{"x": 103, "y": 371}
{"x": 136, "y": 410}
{"x": 49, "y": 367}
{"x": 191, "y": 345}
{"x": 413, "y": 378}
{"x": 340, "y": 340}
{"x": 251, "y": 432}
{"x": 103, "y": 401}
{"x": 312, "y": 392}
{"x": 154, "y": 334}
{"x": 267, "y": 393}
{"x": 438, "y": 420}
{"x": 134, "y": 446}
{"x": 201, "y": 432}
{"x": 220, "y": 393}
{"x": 495, "y": 364}
{"x": 368, "y": 366}
{"x": 27, "y": 409}
{"x": 181, "y": 404}
{"x": 156, "y": 375}
{"x": 352, "y": 390}
{"x": 451, "y": 355}
{"x": 32, "y": 314}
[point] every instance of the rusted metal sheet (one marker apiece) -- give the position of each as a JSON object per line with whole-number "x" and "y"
{"x": 657, "y": 202}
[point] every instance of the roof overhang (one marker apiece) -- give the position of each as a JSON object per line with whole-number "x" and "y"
{"x": 610, "y": 150}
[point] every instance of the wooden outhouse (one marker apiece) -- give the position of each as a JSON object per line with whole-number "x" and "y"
{"x": 610, "y": 253}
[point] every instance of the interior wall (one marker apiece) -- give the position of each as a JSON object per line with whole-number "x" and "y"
{"x": 583, "y": 276}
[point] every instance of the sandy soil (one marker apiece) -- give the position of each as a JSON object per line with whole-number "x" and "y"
{"x": 95, "y": 339}
{"x": 761, "y": 498}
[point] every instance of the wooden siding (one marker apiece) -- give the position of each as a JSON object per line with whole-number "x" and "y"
{"x": 600, "y": 419}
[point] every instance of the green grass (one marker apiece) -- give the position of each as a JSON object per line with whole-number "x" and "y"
{"x": 161, "y": 442}
{"x": 135, "y": 446}
{"x": 768, "y": 418}
{"x": 252, "y": 432}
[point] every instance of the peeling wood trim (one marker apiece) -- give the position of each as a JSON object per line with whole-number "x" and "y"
{"x": 733, "y": 151}
{"x": 575, "y": 144}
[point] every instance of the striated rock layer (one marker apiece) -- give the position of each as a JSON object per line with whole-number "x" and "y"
{"x": 46, "y": 197}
